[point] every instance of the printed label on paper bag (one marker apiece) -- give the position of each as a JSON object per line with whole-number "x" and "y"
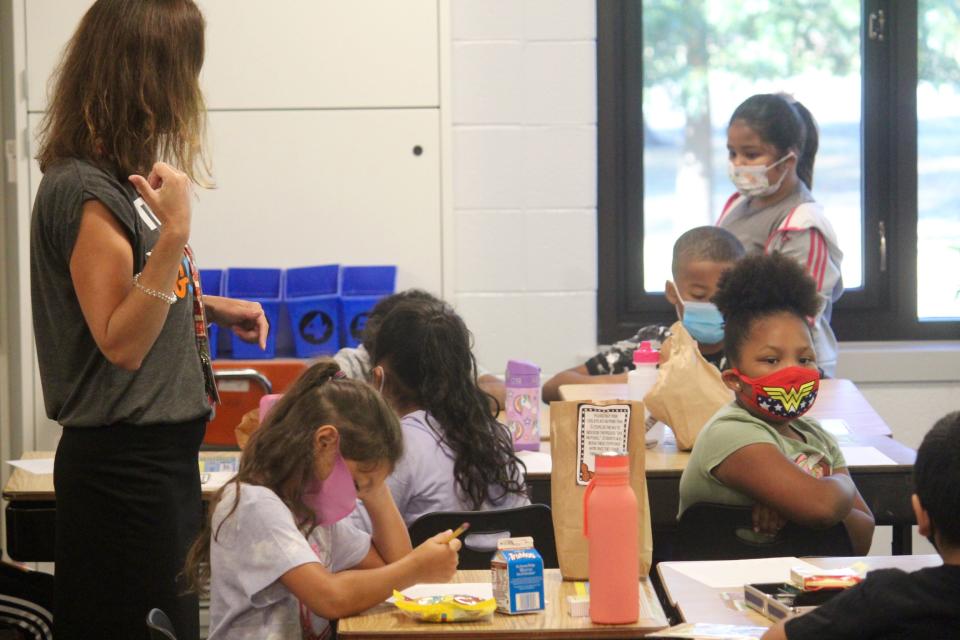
{"x": 599, "y": 429}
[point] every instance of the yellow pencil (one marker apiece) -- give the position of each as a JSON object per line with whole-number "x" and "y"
{"x": 463, "y": 527}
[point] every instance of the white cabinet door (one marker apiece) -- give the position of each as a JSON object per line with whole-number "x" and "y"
{"x": 284, "y": 53}
{"x": 315, "y": 187}
{"x": 298, "y": 188}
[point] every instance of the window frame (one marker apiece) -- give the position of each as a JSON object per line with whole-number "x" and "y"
{"x": 884, "y": 308}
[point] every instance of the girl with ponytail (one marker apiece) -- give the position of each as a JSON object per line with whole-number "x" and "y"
{"x": 456, "y": 455}
{"x": 277, "y": 554}
{"x": 772, "y": 141}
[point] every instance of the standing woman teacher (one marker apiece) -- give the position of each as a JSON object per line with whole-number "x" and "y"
{"x": 119, "y": 318}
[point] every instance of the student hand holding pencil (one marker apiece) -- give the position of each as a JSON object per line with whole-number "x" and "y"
{"x": 437, "y": 558}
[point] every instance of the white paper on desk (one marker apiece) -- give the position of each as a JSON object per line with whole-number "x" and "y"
{"x": 482, "y": 590}
{"x": 697, "y": 630}
{"x": 865, "y": 457}
{"x": 536, "y": 461}
{"x": 736, "y": 573}
{"x": 216, "y": 479}
{"x": 36, "y": 466}
{"x": 835, "y": 426}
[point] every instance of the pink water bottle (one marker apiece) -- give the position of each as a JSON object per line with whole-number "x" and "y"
{"x": 611, "y": 523}
{"x": 523, "y": 404}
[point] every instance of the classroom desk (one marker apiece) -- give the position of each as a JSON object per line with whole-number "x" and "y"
{"x": 385, "y": 621}
{"x": 699, "y": 602}
{"x": 837, "y": 398}
{"x": 32, "y": 507}
{"x": 886, "y": 490}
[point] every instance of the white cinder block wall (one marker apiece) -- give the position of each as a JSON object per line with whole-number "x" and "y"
{"x": 524, "y": 163}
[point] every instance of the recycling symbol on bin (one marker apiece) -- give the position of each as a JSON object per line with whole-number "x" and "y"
{"x": 357, "y": 325}
{"x": 316, "y": 327}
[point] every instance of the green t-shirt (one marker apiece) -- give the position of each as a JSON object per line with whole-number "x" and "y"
{"x": 733, "y": 428}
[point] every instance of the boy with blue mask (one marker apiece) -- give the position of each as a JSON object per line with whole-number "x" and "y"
{"x": 700, "y": 256}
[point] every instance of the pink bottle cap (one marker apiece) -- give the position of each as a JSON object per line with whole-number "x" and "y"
{"x": 645, "y": 354}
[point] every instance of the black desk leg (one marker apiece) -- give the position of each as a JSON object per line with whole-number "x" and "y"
{"x": 902, "y": 539}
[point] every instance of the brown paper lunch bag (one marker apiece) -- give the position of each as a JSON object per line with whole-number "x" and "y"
{"x": 567, "y": 493}
{"x": 688, "y": 390}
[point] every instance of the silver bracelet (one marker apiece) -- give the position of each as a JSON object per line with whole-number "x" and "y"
{"x": 169, "y": 298}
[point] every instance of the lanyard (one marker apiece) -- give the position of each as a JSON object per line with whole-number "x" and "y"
{"x": 200, "y": 330}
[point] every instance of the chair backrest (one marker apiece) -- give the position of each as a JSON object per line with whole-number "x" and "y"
{"x": 160, "y": 626}
{"x": 26, "y": 603}
{"x": 723, "y": 532}
{"x": 486, "y": 527}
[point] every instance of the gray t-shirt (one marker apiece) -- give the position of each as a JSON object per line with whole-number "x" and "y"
{"x": 796, "y": 226}
{"x": 81, "y": 388}
{"x": 257, "y": 544}
{"x": 423, "y": 480}
{"x": 354, "y": 362}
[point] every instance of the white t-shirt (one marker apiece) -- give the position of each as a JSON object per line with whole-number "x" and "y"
{"x": 256, "y": 545}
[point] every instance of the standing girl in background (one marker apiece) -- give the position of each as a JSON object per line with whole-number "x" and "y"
{"x": 277, "y": 551}
{"x": 772, "y": 142}
{"x": 456, "y": 455}
{"x": 119, "y": 319}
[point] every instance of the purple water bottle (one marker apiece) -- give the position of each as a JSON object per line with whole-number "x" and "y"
{"x": 523, "y": 404}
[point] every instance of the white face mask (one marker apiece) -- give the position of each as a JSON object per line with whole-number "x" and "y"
{"x": 752, "y": 181}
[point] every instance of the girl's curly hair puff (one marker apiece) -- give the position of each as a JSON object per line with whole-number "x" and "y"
{"x": 759, "y": 286}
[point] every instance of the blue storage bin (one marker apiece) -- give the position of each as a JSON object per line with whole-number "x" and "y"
{"x": 360, "y": 289}
{"x": 354, "y": 311}
{"x": 263, "y": 286}
{"x": 310, "y": 294}
{"x": 368, "y": 281}
{"x": 211, "y": 281}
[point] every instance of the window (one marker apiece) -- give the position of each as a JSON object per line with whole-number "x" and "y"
{"x": 883, "y": 80}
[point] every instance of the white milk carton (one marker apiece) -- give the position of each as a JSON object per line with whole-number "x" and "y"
{"x": 517, "y": 570}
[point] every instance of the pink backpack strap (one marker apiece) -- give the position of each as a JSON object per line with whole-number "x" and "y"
{"x": 732, "y": 202}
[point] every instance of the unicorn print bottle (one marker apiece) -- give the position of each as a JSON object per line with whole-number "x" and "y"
{"x": 523, "y": 404}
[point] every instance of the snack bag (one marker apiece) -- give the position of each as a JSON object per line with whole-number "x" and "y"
{"x": 578, "y": 432}
{"x": 446, "y": 608}
{"x": 688, "y": 390}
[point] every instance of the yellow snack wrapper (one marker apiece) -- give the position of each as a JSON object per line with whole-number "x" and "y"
{"x": 445, "y": 608}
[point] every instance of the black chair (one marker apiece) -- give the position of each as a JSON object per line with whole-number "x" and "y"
{"x": 26, "y": 603}
{"x": 160, "y": 626}
{"x": 486, "y": 527}
{"x": 723, "y": 532}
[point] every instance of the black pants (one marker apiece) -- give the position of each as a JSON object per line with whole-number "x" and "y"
{"x": 128, "y": 508}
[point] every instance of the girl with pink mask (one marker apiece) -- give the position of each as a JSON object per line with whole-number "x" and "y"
{"x": 760, "y": 450}
{"x": 278, "y": 554}
{"x": 772, "y": 142}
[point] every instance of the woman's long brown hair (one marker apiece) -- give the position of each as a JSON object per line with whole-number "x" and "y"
{"x": 280, "y": 454}
{"x": 127, "y": 91}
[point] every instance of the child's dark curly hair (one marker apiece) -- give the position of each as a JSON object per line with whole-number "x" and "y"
{"x": 427, "y": 348}
{"x": 759, "y": 286}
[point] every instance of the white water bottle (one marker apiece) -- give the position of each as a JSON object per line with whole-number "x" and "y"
{"x": 644, "y": 374}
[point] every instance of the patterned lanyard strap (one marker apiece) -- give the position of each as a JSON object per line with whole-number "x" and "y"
{"x": 200, "y": 330}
